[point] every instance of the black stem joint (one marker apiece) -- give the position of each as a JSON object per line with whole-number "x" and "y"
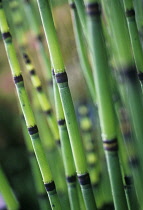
{"x": 110, "y": 145}
{"x": 50, "y": 186}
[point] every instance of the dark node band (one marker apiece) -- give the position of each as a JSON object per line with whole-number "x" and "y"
{"x": 14, "y": 8}
{"x": 50, "y": 186}
{"x": 48, "y": 112}
{"x": 61, "y": 77}
{"x": 71, "y": 179}
{"x": 33, "y": 130}
{"x": 110, "y": 145}
{"x": 72, "y": 5}
{"x": 129, "y": 73}
{"x": 84, "y": 179}
{"x": 134, "y": 162}
{"x": 42, "y": 195}
{"x": 130, "y": 12}
{"x": 18, "y": 79}
{"x": 32, "y": 72}
{"x": 40, "y": 38}
{"x": 128, "y": 180}
{"x": 6, "y": 35}
{"x": 53, "y": 73}
{"x": 58, "y": 142}
{"x": 39, "y": 88}
{"x": 93, "y": 9}
{"x": 140, "y": 76}
{"x": 61, "y": 122}
{"x": 26, "y": 57}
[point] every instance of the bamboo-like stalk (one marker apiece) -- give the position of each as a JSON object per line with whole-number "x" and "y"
{"x": 27, "y": 111}
{"x": 134, "y": 36}
{"x": 62, "y": 81}
{"x": 129, "y": 83}
{"x": 43, "y": 99}
{"x": 82, "y": 51}
{"x": 66, "y": 151}
{"x": 41, "y": 193}
{"x": 7, "y": 193}
{"x": 106, "y": 114}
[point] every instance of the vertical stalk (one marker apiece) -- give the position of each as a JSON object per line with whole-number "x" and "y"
{"x": 43, "y": 99}
{"x": 41, "y": 193}
{"x": 134, "y": 36}
{"x": 106, "y": 113}
{"x": 66, "y": 151}
{"x": 27, "y": 112}
{"x": 62, "y": 82}
{"x": 7, "y": 193}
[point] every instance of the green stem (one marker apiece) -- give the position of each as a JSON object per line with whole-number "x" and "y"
{"x": 67, "y": 103}
{"x": 66, "y": 151}
{"x": 27, "y": 111}
{"x": 106, "y": 113}
{"x": 7, "y": 193}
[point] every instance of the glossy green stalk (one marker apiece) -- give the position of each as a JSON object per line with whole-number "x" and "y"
{"x": 62, "y": 81}
{"x": 106, "y": 113}
{"x": 7, "y": 193}
{"x": 27, "y": 111}
{"x": 43, "y": 99}
{"x": 82, "y": 52}
{"x": 41, "y": 193}
{"x": 134, "y": 36}
{"x": 69, "y": 166}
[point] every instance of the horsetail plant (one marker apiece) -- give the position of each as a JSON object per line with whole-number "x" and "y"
{"x": 106, "y": 115}
{"x": 7, "y": 193}
{"x": 41, "y": 193}
{"x": 66, "y": 151}
{"x": 62, "y": 82}
{"x": 43, "y": 100}
{"x": 27, "y": 112}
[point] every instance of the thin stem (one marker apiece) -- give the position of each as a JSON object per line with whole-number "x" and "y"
{"x": 7, "y": 193}
{"x": 62, "y": 81}
{"x": 27, "y": 112}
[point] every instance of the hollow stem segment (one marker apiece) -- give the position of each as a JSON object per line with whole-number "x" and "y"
{"x": 66, "y": 151}
{"x": 41, "y": 193}
{"x": 106, "y": 113}
{"x": 134, "y": 36}
{"x": 43, "y": 99}
{"x": 27, "y": 112}
{"x": 7, "y": 193}
{"x": 67, "y": 103}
